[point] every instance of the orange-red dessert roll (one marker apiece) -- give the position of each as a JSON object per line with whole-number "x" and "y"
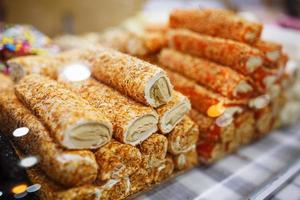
{"x": 245, "y": 127}
{"x": 184, "y": 137}
{"x": 272, "y": 52}
{"x": 239, "y": 56}
{"x": 216, "y": 22}
{"x": 186, "y": 160}
{"x": 263, "y": 121}
{"x": 173, "y": 112}
{"x": 132, "y": 122}
{"x": 69, "y": 168}
{"x": 221, "y": 79}
{"x": 117, "y": 160}
{"x": 201, "y": 98}
{"x": 72, "y": 121}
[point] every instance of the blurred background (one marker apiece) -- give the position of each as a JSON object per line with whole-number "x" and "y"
{"x": 55, "y": 17}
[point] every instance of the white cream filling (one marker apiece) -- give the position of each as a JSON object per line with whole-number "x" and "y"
{"x": 181, "y": 160}
{"x": 87, "y": 135}
{"x": 140, "y": 129}
{"x": 250, "y": 36}
{"x": 227, "y": 118}
{"x": 273, "y": 55}
{"x": 259, "y": 102}
{"x": 253, "y": 62}
{"x": 158, "y": 90}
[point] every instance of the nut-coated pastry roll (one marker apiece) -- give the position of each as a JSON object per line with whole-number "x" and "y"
{"x": 69, "y": 168}
{"x": 173, "y": 112}
{"x": 132, "y": 122}
{"x": 184, "y": 137}
{"x": 264, "y": 78}
{"x": 220, "y": 79}
{"x": 5, "y": 82}
{"x": 239, "y": 56}
{"x": 138, "y": 79}
{"x": 44, "y": 65}
{"x": 117, "y": 160}
{"x": 72, "y": 121}
{"x": 164, "y": 170}
{"x": 272, "y": 52}
{"x": 201, "y": 98}
{"x": 245, "y": 127}
{"x": 186, "y": 160}
{"x": 155, "y": 146}
{"x": 140, "y": 180}
{"x": 216, "y": 22}
{"x": 209, "y": 130}
{"x": 111, "y": 189}
{"x": 264, "y": 120}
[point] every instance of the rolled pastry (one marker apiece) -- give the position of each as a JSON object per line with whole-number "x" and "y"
{"x": 186, "y": 160}
{"x": 117, "y": 160}
{"x": 220, "y": 79}
{"x": 209, "y": 152}
{"x": 132, "y": 122}
{"x": 71, "y": 120}
{"x": 216, "y": 22}
{"x": 155, "y": 146}
{"x": 5, "y": 82}
{"x": 184, "y": 137}
{"x": 111, "y": 189}
{"x": 164, "y": 170}
{"x": 201, "y": 98}
{"x": 264, "y": 120}
{"x": 272, "y": 52}
{"x": 245, "y": 127}
{"x": 239, "y": 56}
{"x": 138, "y": 79}
{"x": 69, "y": 168}
{"x": 173, "y": 112}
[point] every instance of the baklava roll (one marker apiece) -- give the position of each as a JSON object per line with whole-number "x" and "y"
{"x": 117, "y": 160}
{"x": 220, "y": 79}
{"x": 132, "y": 122}
{"x": 5, "y": 83}
{"x": 264, "y": 120}
{"x": 26, "y": 65}
{"x": 155, "y": 146}
{"x": 69, "y": 168}
{"x": 216, "y": 22}
{"x": 239, "y": 56}
{"x": 111, "y": 189}
{"x": 140, "y": 180}
{"x": 186, "y": 160}
{"x": 184, "y": 137}
{"x": 272, "y": 52}
{"x": 209, "y": 130}
{"x": 245, "y": 128}
{"x": 173, "y": 112}
{"x": 138, "y": 79}
{"x": 263, "y": 78}
{"x": 201, "y": 98}
{"x": 72, "y": 121}
{"x": 164, "y": 170}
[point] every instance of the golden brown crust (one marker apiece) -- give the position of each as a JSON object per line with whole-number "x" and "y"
{"x": 216, "y": 22}
{"x": 155, "y": 146}
{"x": 5, "y": 83}
{"x": 60, "y": 109}
{"x": 184, "y": 137}
{"x": 70, "y": 168}
{"x": 186, "y": 160}
{"x": 239, "y": 56}
{"x": 220, "y": 79}
{"x": 117, "y": 160}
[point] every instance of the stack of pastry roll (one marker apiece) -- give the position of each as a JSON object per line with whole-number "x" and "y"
{"x": 232, "y": 76}
{"x": 104, "y": 124}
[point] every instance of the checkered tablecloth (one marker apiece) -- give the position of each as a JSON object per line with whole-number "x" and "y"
{"x": 239, "y": 174}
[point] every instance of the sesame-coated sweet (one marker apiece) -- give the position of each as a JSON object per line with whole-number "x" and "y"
{"x": 155, "y": 146}
{"x": 239, "y": 56}
{"x": 220, "y": 79}
{"x": 69, "y": 168}
{"x": 71, "y": 120}
{"x": 132, "y": 122}
{"x": 183, "y": 137}
{"x": 216, "y": 22}
{"x": 117, "y": 160}
{"x": 173, "y": 112}
{"x": 272, "y": 52}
